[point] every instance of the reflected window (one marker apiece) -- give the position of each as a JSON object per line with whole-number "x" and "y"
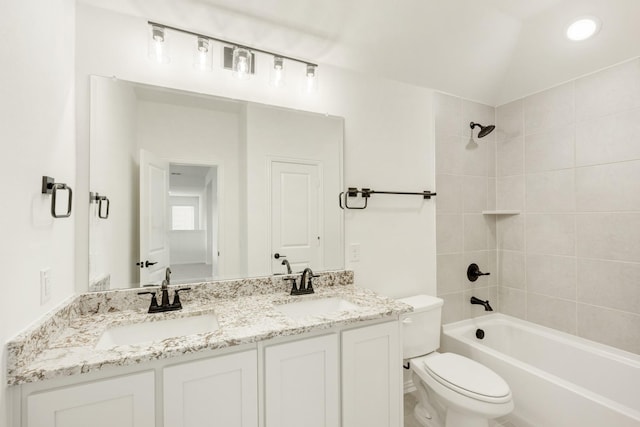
{"x": 183, "y": 218}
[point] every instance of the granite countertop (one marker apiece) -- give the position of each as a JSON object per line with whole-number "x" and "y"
{"x": 63, "y": 344}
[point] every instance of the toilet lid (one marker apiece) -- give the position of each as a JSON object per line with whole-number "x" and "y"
{"x": 466, "y": 376}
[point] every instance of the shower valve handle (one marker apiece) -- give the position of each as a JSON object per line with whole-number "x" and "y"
{"x": 473, "y": 272}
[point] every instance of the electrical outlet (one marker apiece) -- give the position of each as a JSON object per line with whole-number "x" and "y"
{"x": 45, "y": 286}
{"x": 354, "y": 252}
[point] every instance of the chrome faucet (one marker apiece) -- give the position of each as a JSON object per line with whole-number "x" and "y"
{"x": 286, "y": 262}
{"x": 486, "y": 305}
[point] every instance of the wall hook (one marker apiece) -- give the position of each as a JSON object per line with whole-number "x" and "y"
{"x": 49, "y": 186}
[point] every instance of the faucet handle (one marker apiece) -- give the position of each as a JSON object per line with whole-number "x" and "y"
{"x": 294, "y": 284}
{"x": 176, "y": 296}
{"x": 154, "y": 299}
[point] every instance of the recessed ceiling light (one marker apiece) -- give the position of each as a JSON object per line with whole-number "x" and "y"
{"x": 583, "y": 28}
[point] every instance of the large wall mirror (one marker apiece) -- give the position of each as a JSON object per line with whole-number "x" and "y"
{"x": 209, "y": 187}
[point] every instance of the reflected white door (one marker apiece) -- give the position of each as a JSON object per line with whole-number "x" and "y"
{"x": 296, "y": 213}
{"x": 154, "y": 217}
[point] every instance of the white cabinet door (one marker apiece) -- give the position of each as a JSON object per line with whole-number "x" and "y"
{"x": 302, "y": 383}
{"x": 124, "y": 402}
{"x": 372, "y": 376}
{"x": 217, "y": 392}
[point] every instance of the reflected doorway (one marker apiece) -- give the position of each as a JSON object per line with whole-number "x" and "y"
{"x": 193, "y": 222}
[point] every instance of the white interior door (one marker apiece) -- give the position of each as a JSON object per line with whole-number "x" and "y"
{"x": 296, "y": 212}
{"x": 154, "y": 217}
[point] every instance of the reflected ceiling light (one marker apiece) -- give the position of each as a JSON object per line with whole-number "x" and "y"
{"x": 583, "y": 28}
{"x": 202, "y": 58}
{"x": 276, "y": 74}
{"x": 158, "y": 44}
{"x": 241, "y": 65}
{"x": 312, "y": 78}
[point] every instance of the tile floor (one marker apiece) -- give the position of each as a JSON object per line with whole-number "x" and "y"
{"x": 410, "y": 421}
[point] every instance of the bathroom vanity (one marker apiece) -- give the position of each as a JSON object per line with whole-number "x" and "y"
{"x": 328, "y": 359}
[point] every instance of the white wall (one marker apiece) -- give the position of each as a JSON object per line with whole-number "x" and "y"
{"x": 113, "y": 243}
{"x": 37, "y": 107}
{"x": 388, "y": 140}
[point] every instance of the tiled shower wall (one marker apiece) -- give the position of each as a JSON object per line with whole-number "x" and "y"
{"x": 465, "y": 182}
{"x": 569, "y": 158}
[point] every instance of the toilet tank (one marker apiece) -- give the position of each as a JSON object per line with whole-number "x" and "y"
{"x": 421, "y": 328}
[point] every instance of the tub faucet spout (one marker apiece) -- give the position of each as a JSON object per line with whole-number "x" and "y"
{"x": 486, "y": 305}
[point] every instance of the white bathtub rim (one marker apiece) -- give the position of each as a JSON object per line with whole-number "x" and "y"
{"x": 619, "y": 355}
{"x": 554, "y": 334}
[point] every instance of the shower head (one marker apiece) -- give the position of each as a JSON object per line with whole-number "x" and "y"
{"x": 484, "y": 130}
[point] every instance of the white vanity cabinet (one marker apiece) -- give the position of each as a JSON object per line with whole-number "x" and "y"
{"x": 127, "y": 401}
{"x": 302, "y": 383}
{"x": 220, "y": 391}
{"x": 372, "y": 376}
{"x": 349, "y": 377}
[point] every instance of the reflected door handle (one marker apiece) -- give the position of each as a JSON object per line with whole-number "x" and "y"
{"x": 145, "y": 263}
{"x": 278, "y": 256}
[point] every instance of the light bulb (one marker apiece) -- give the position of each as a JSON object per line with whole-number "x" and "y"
{"x": 202, "y": 57}
{"x": 276, "y": 77}
{"x": 158, "y": 44}
{"x": 241, "y": 65}
{"x": 311, "y": 78}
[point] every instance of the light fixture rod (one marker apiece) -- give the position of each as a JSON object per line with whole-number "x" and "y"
{"x": 230, "y": 43}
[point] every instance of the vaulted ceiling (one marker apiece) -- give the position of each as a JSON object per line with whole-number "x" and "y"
{"x": 491, "y": 51}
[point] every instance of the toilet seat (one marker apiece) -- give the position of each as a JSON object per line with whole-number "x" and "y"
{"x": 466, "y": 377}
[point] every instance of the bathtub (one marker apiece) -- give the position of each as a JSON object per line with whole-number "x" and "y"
{"x": 557, "y": 379}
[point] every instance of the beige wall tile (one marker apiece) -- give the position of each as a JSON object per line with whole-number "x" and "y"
{"x": 608, "y": 139}
{"x": 449, "y": 234}
{"x": 608, "y": 188}
{"x": 615, "y": 328}
{"x": 511, "y": 232}
{"x": 475, "y": 157}
{"x": 552, "y": 275}
{"x": 552, "y": 312}
{"x": 510, "y": 192}
{"x": 609, "y": 284}
{"x": 551, "y": 150}
{"x": 451, "y": 276}
{"x": 510, "y": 121}
{"x": 549, "y": 109}
{"x": 474, "y": 198}
{"x": 475, "y": 232}
{"x": 612, "y": 236}
{"x": 511, "y": 269}
{"x": 550, "y": 234}
{"x": 512, "y": 302}
{"x": 510, "y": 157}
{"x": 550, "y": 192}
{"x": 449, "y": 189}
{"x": 609, "y": 91}
{"x": 449, "y": 150}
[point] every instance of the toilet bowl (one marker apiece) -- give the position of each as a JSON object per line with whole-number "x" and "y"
{"x": 453, "y": 391}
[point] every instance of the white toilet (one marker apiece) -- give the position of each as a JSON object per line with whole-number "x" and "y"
{"x": 453, "y": 391}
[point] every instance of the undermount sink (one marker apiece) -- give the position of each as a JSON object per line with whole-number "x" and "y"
{"x": 138, "y": 333}
{"x": 315, "y": 307}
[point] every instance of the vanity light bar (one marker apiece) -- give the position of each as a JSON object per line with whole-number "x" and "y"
{"x": 231, "y": 43}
